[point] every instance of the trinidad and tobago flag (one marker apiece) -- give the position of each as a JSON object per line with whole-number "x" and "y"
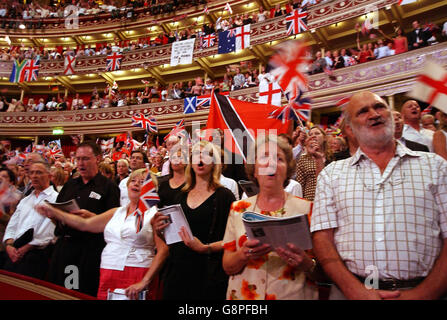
{"x": 241, "y": 121}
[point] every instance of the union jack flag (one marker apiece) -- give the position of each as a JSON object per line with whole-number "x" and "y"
{"x": 148, "y": 198}
{"x": 148, "y": 124}
{"x": 289, "y": 65}
{"x": 285, "y": 113}
{"x": 296, "y": 22}
{"x": 114, "y": 61}
{"x": 32, "y": 70}
{"x": 178, "y": 130}
{"x": 208, "y": 40}
{"x": 426, "y": 110}
{"x": 302, "y": 106}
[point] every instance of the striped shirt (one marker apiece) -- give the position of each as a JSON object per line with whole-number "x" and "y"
{"x": 394, "y": 220}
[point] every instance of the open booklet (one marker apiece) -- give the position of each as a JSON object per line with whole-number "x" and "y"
{"x": 278, "y": 231}
{"x": 67, "y": 206}
{"x": 120, "y": 294}
{"x": 177, "y": 220}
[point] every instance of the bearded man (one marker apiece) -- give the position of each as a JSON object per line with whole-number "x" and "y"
{"x": 380, "y": 217}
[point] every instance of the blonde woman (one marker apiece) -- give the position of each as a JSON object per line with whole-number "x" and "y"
{"x": 194, "y": 269}
{"x": 130, "y": 260}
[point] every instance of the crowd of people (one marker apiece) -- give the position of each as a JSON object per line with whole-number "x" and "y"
{"x": 382, "y": 163}
{"x": 34, "y": 16}
{"x": 381, "y": 47}
{"x": 163, "y": 38}
{"x": 233, "y": 80}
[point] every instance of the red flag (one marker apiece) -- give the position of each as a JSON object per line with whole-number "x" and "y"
{"x": 237, "y": 117}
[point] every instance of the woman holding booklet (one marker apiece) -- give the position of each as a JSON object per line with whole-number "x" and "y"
{"x": 258, "y": 271}
{"x": 130, "y": 260}
{"x": 194, "y": 269}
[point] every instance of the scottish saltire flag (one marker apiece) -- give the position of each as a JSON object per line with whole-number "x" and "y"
{"x": 18, "y": 71}
{"x": 189, "y": 105}
{"x": 148, "y": 198}
{"x": 32, "y": 70}
{"x": 227, "y": 41}
{"x": 148, "y": 124}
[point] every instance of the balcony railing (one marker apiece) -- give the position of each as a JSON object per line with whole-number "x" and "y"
{"x": 386, "y": 76}
{"x": 263, "y": 32}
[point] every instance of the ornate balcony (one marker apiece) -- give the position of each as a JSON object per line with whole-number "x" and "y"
{"x": 386, "y": 77}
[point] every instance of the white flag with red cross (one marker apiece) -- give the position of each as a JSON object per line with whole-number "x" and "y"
{"x": 431, "y": 86}
{"x": 69, "y": 65}
{"x": 270, "y": 93}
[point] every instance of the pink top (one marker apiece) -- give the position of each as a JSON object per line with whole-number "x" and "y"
{"x": 400, "y": 45}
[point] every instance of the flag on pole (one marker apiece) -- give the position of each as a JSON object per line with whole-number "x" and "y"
{"x": 178, "y": 131}
{"x": 148, "y": 198}
{"x": 289, "y": 65}
{"x": 228, "y": 8}
{"x": 148, "y": 124}
{"x": 107, "y": 145}
{"x": 240, "y": 121}
{"x": 431, "y": 86}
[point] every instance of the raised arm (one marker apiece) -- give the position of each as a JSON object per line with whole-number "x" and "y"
{"x": 94, "y": 223}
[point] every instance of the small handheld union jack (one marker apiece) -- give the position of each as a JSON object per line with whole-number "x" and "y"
{"x": 148, "y": 124}
{"x": 148, "y": 198}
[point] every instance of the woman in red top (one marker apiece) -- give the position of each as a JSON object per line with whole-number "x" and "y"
{"x": 400, "y": 42}
{"x": 365, "y": 54}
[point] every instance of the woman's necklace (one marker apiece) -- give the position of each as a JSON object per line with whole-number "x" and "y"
{"x": 275, "y": 213}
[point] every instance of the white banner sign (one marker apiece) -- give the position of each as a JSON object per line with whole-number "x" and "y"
{"x": 182, "y": 51}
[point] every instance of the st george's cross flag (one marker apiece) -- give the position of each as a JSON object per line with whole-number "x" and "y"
{"x": 242, "y": 37}
{"x": 148, "y": 198}
{"x": 107, "y": 145}
{"x": 69, "y": 65}
{"x": 270, "y": 93}
{"x": 228, "y": 8}
{"x": 296, "y": 22}
{"x": 148, "y": 124}
{"x": 431, "y": 86}
{"x": 114, "y": 61}
{"x": 241, "y": 121}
